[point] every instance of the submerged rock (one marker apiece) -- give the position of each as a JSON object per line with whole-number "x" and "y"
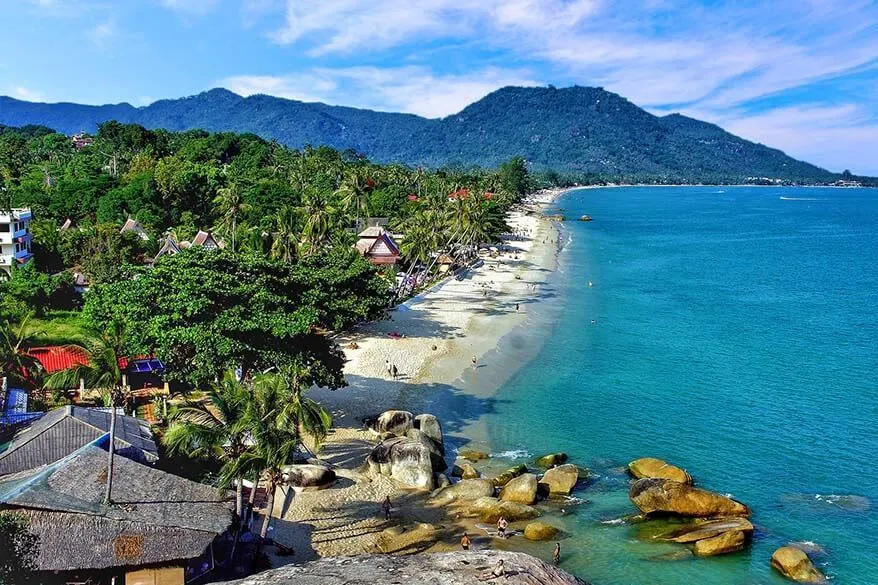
{"x": 585, "y": 218}
{"x": 651, "y": 468}
{"x": 794, "y": 564}
{"x": 540, "y": 531}
{"x": 472, "y": 455}
{"x": 673, "y": 497}
{"x": 560, "y": 480}
{"x": 456, "y": 568}
{"x": 551, "y": 460}
{"x": 522, "y": 489}
{"x": 509, "y": 475}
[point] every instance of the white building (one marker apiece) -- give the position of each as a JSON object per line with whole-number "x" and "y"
{"x": 15, "y": 238}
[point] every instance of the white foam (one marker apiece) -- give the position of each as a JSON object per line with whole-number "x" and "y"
{"x": 800, "y": 198}
{"x": 614, "y": 522}
{"x": 512, "y": 454}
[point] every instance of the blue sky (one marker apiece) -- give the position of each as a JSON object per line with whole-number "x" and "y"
{"x": 801, "y": 75}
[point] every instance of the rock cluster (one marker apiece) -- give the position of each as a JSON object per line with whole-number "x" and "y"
{"x": 411, "y": 449}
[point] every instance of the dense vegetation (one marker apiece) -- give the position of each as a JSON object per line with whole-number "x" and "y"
{"x": 581, "y": 134}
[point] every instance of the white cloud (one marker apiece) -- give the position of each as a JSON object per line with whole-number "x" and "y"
{"x": 24, "y": 93}
{"x": 411, "y": 89}
{"x": 196, "y": 7}
{"x": 101, "y": 34}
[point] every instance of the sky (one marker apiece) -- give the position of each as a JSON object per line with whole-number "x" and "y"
{"x": 799, "y": 75}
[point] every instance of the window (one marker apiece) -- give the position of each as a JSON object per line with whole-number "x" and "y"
{"x": 4, "y": 228}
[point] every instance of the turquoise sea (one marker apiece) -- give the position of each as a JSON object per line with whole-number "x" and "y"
{"x": 730, "y": 330}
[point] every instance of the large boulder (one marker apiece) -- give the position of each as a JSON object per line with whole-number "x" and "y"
{"x": 561, "y": 479}
{"x": 437, "y": 451}
{"x": 509, "y": 475}
{"x": 701, "y": 530}
{"x": 522, "y": 489}
{"x": 465, "y": 491}
{"x": 405, "y": 460}
{"x": 429, "y": 425}
{"x": 490, "y": 510}
{"x": 794, "y": 564}
{"x": 673, "y": 497}
{"x": 551, "y": 460}
{"x": 465, "y": 471}
{"x": 727, "y": 542}
{"x": 540, "y": 531}
{"x": 308, "y": 476}
{"x": 651, "y": 468}
{"x": 395, "y": 422}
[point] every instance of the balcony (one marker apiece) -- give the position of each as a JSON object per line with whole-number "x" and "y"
{"x": 22, "y": 233}
{"x": 23, "y": 256}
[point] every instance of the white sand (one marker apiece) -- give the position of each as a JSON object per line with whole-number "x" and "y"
{"x": 460, "y": 319}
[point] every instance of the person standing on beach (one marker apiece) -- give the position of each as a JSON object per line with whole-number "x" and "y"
{"x": 501, "y": 527}
{"x": 393, "y": 371}
{"x": 387, "y": 507}
{"x": 465, "y": 541}
{"x": 556, "y": 556}
{"x": 475, "y": 360}
{"x": 388, "y": 367}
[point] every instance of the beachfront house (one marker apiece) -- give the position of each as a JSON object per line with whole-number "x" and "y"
{"x": 15, "y": 239}
{"x": 60, "y": 432}
{"x": 159, "y": 528}
{"x": 377, "y": 246}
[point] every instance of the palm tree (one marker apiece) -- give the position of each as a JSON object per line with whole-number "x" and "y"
{"x": 230, "y": 204}
{"x": 217, "y": 426}
{"x": 101, "y": 372}
{"x": 274, "y": 446}
{"x": 354, "y": 192}
{"x": 298, "y": 412}
{"x": 19, "y": 366}
{"x": 285, "y": 238}
{"x": 319, "y": 220}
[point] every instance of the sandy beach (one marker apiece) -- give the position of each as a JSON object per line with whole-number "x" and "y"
{"x": 443, "y": 330}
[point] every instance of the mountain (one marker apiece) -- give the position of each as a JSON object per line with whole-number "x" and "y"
{"x": 575, "y": 130}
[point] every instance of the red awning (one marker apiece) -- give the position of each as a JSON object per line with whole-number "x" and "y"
{"x": 57, "y": 358}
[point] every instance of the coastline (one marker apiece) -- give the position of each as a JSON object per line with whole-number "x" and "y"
{"x": 444, "y": 328}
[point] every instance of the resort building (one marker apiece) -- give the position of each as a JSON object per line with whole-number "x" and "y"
{"x": 15, "y": 238}
{"x": 202, "y": 239}
{"x": 60, "y": 432}
{"x": 159, "y": 528}
{"x": 206, "y": 240}
{"x": 377, "y": 246}
{"x": 132, "y": 225}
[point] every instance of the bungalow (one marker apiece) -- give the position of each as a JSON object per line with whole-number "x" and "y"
{"x": 169, "y": 248}
{"x": 60, "y": 432}
{"x": 376, "y": 245}
{"x": 160, "y": 528}
{"x": 133, "y": 226}
{"x": 206, "y": 240}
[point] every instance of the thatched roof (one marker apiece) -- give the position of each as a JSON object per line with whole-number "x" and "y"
{"x": 62, "y": 431}
{"x": 155, "y": 516}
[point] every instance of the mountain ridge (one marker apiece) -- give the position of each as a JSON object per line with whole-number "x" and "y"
{"x": 575, "y": 130}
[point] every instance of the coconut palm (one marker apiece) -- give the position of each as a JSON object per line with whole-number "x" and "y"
{"x": 354, "y": 192}
{"x": 100, "y": 372}
{"x": 320, "y": 218}
{"x": 285, "y": 239}
{"x": 230, "y": 206}
{"x": 19, "y": 367}
{"x": 215, "y": 427}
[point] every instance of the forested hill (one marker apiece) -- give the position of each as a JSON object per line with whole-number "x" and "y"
{"x": 575, "y": 131}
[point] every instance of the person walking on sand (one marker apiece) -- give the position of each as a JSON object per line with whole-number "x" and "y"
{"x": 465, "y": 541}
{"x": 388, "y": 367}
{"x": 556, "y": 556}
{"x": 501, "y": 527}
{"x": 387, "y": 507}
{"x": 393, "y": 371}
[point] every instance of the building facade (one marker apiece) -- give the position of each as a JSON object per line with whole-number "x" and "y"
{"x": 15, "y": 238}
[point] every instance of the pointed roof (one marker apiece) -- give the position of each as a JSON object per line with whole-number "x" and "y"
{"x": 64, "y": 430}
{"x": 169, "y": 248}
{"x": 132, "y": 225}
{"x": 206, "y": 240}
{"x": 155, "y": 516}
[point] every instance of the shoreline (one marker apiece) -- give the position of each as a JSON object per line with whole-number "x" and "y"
{"x": 444, "y": 327}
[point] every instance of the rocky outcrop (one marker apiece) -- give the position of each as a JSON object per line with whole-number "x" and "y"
{"x": 673, "y": 497}
{"x": 405, "y": 460}
{"x": 429, "y": 425}
{"x": 457, "y": 568}
{"x": 509, "y": 475}
{"x": 522, "y": 489}
{"x": 437, "y": 451}
{"x": 727, "y": 542}
{"x": 551, "y": 460}
{"x": 472, "y": 455}
{"x": 651, "y": 468}
{"x": 465, "y": 490}
{"x": 311, "y": 477}
{"x": 560, "y": 480}
{"x": 794, "y": 564}
{"x": 492, "y": 509}
{"x": 395, "y": 422}
{"x": 465, "y": 471}
{"x": 540, "y": 531}
{"x": 703, "y": 530}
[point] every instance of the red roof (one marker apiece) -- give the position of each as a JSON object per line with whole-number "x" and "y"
{"x": 460, "y": 194}
{"x": 57, "y": 358}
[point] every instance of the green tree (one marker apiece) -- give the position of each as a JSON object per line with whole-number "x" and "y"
{"x": 285, "y": 238}
{"x": 19, "y": 549}
{"x": 102, "y": 371}
{"x": 230, "y": 206}
{"x": 21, "y": 368}
{"x": 216, "y": 427}
{"x": 514, "y": 176}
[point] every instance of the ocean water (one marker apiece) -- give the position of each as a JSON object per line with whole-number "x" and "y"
{"x": 732, "y": 331}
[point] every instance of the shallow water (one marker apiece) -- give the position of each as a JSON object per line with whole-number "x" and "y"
{"x": 732, "y": 331}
